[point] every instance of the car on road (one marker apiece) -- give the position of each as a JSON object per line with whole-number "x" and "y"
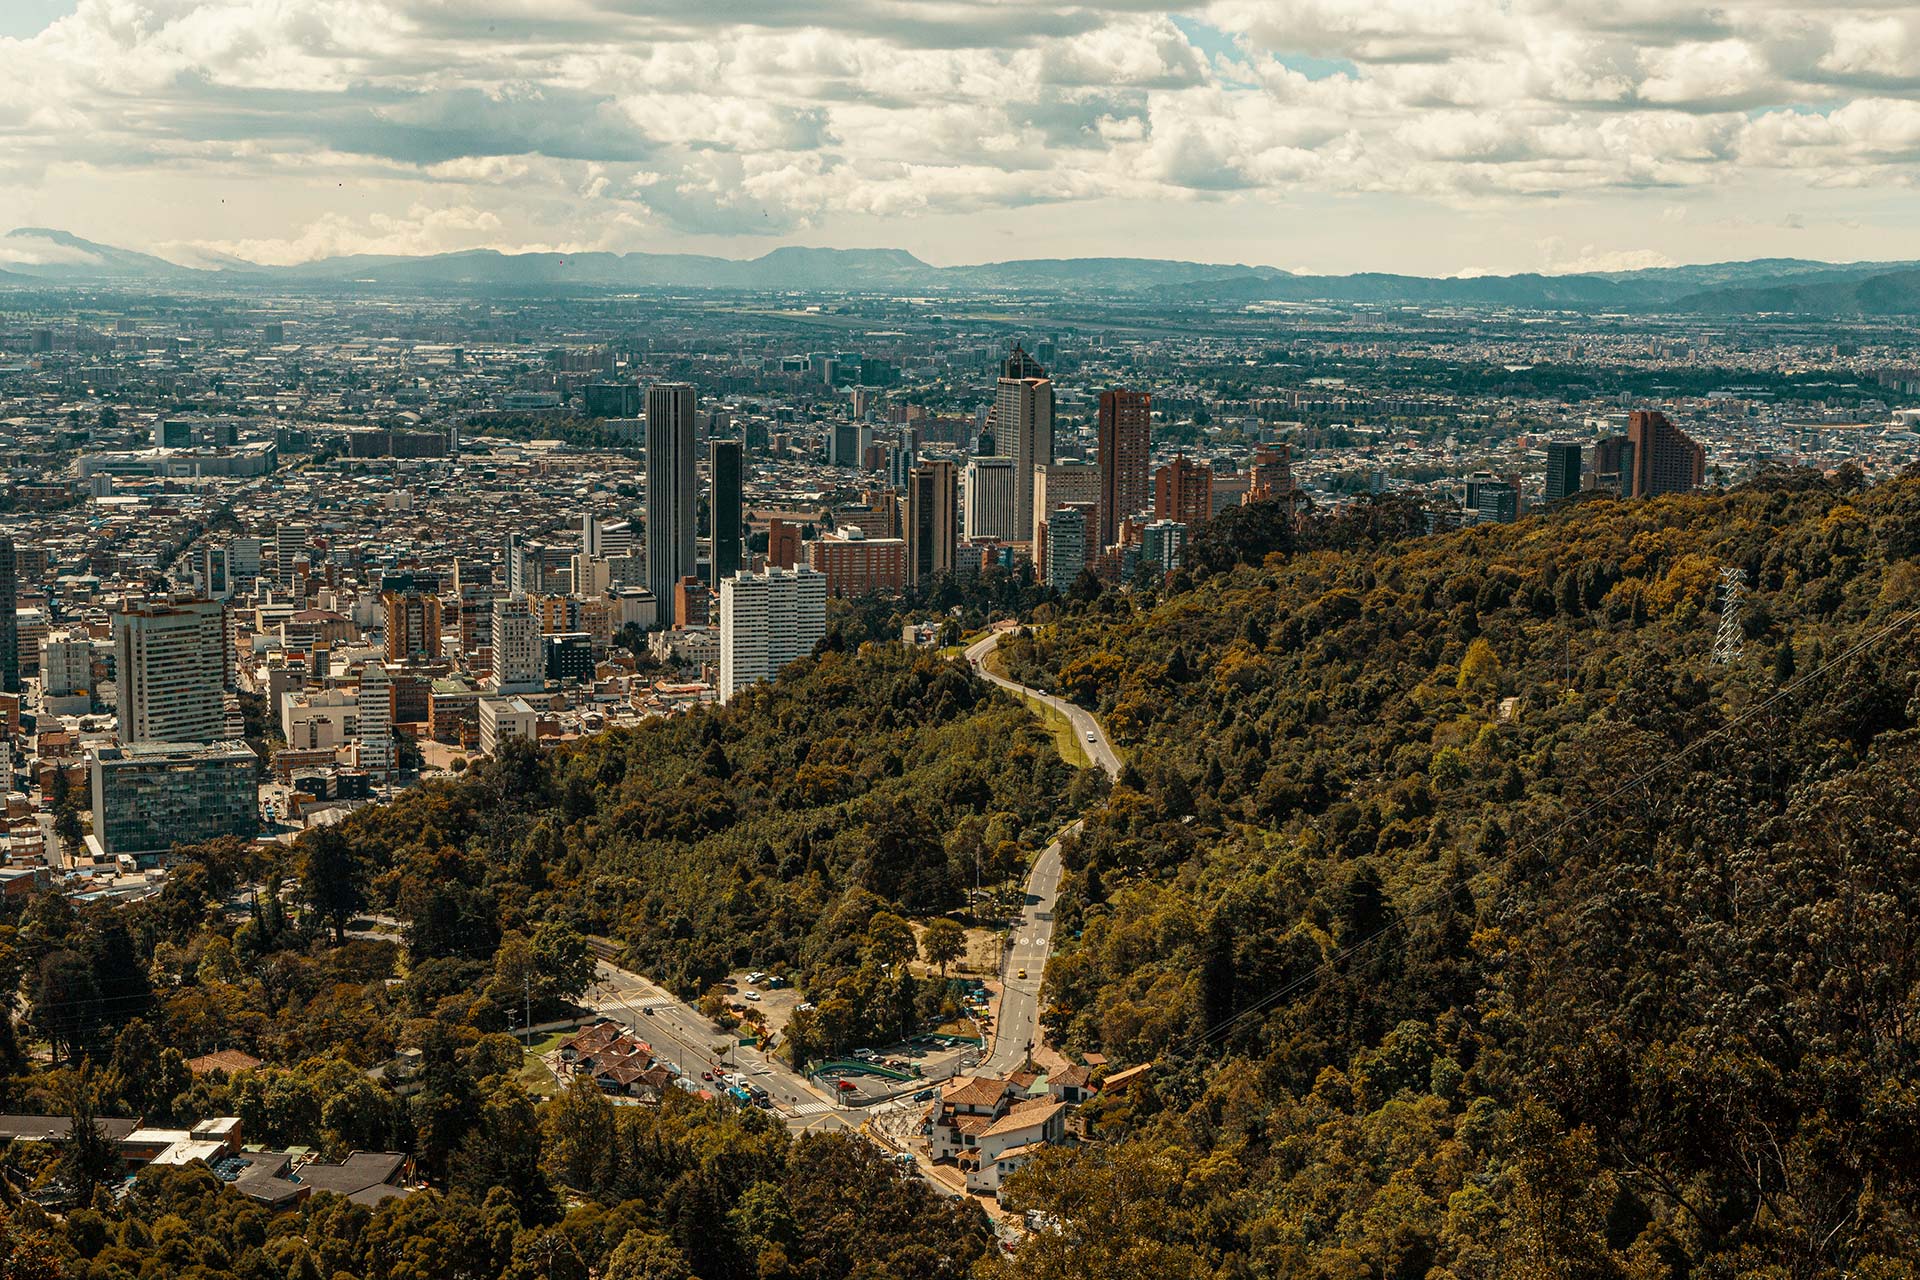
{"x": 925, "y": 1095}
{"x": 1022, "y": 973}
{"x": 706, "y": 1075}
{"x": 1093, "y": 737}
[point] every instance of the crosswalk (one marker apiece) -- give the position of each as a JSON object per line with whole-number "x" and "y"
{"x": 812, "y": 1108}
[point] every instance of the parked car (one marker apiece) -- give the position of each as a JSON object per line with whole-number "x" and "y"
{"x": 753, "y": 996}
{"x": 848, "y": 1086}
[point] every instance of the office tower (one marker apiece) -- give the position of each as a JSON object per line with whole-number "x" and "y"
{"x": 1066, "y": 544}
{"x": 9, "y": 621}
{"x": 373, "y": 705}
{"x": 289, "y": 545}
{"x": 413, "y": 625}
{"x": 1056, "y": 485}
{"x": 568, "y": 656}
{"x": 933, "y": 519}
{"x": 1563, "y": 470}
{"x": 172, "y": 668}
{"x": 726, "y": 466}
{"x": 216, "y": 572}
{"x": 516, "y": 647}
{"x": 766, "y": 621}
{"x": 246, "y": 559}
{"x": 610, "y": 399}
{"x": 1494, "y": 502}
{"x": 1183, "y": 491}
{"x": 1613, "y": 465}
{"x": 607, "y": 539}
{"x": 149, "y": 797}
{"x": 897, "y": 463}
{"x": 855, "y": 565}
{"x": 988, "y": 503}
{"x": 1023, "y": 429}
{"x": 1126, "y": 429}
{"x": 692, "y": 603}
{"x": 1164, "y": 543}
{"x": 672, "y": 490}
{"x": 847, "y": 443}
{"x": 1665, "y": 458}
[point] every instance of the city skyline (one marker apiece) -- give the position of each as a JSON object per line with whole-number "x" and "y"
{"x": 1304, "y": 135}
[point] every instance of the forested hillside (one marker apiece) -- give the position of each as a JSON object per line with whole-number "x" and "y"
{"x": 784, "y": 830}
{"x": 1478, "y": 926}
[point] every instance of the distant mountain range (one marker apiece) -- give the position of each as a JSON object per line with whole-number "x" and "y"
{"x": 41, "y": 256}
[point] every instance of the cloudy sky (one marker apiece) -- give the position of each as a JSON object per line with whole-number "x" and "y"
{"x": 1438, "y": 136}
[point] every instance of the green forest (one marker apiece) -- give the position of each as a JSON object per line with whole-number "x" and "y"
{"x": 1475, "y": 922}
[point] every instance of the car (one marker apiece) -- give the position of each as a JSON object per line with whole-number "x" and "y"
{"x": 848, "y": 1086}
{"x": 648, "y": 1011}
{"x": 925, "y": 1095}
{"x": 706, "y": 1075}
{"x": 1093, "y": 737}
{"x": 805, "y": 1006}
{"x": 753, "y": 996}
{"x": 1022, "y": 973}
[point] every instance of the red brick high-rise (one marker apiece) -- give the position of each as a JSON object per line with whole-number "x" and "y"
{"x": 1183, "y": 491}
{"x": 1665, "y": 458}
{"x": 1126, "y": 426}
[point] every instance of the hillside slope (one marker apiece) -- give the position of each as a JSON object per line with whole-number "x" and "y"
{"x": 1479, "y": 927}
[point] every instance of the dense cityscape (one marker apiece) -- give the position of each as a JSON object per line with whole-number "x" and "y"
{"x": 959, "y": 641}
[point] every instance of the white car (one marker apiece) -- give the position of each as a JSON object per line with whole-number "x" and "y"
{"x": 752, "y": 995}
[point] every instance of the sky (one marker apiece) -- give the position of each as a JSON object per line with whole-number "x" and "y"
{"x": 1443, "y": 137}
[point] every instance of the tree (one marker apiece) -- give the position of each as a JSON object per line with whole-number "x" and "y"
{"x": 889, "y": 939}
{"x": 90, "y": 1157}
{"x": 332, "y": 879}
{"x": 942, "y": 942}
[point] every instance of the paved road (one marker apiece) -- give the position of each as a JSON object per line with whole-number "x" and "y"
{"x": 1017, "y": 1029}
{"x": 682, "y": 1035}
{"x": 1093, "y": 739}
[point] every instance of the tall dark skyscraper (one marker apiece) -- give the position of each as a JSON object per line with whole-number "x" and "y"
{"x": 726, "y": 465}
{"x": 1665, "y": 458}
{"x": 1563, "y": 470}
{"x": 933, "y": 519}
{"x": 9, "y": 621}
{"x": 673, "y": 491}
{"x": 1126, "y": 426}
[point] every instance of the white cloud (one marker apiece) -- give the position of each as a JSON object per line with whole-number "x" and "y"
{"x": 407, "y": 125}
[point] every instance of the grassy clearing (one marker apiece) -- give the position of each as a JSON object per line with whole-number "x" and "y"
{"x": 1060, "y": 729}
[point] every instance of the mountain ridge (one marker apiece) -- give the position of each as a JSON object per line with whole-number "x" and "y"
{"x": 42, "y": 255}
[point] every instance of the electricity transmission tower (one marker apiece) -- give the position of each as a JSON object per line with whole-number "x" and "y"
{"x": 1733, "y": 595}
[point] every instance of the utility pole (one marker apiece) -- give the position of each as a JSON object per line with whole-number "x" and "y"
{"x": 527, "y": 993}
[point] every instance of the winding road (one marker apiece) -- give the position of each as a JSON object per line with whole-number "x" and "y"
{"x": 1017, "y": 1029}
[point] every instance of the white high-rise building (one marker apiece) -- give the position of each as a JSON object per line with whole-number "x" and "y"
{"x": 516, "y": 648}
{"x": 672, "y": 488}
{"x": 987, "y": 499}
{"x": 607, "y": 539}
{"x": 172, "y": 666}
{"x": 290, "y": 544}
{"x": 1066, "y": 548}
{"x": 766, "y": 621}
{"x": 1059, "y": 484}
{"x": 1023, "y": 430}
{"x": 592, "y": 576}
{"x": 373, "y": 709}
{"x": 66, "y": 664}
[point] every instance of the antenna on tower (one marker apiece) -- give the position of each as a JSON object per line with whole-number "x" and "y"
{"x": 1733, "y": 596}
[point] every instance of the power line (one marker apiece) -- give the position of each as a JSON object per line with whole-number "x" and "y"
{"x": 1431, "y": 900}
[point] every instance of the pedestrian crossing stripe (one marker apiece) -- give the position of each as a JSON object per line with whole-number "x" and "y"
{"x": 812, "y": 1108}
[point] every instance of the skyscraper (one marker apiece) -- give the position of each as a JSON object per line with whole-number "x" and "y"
{"x": 1563, "y": 470}
{"x": 1126, "y": 429}
{"x": 172, "y": 668}
{"x": 1023, "y": 429}
{"x": 1066, "y": 549}
{"x": 988, "y": 507}
{"x": 1061, "y": 483}
{"x": 1665, "y": 458}
{"x": 726, "y": 463}
{"x": 766, "y": 621}
{"x": 9, "y": 621}
{"x": 1183, "y": 491}
{"x": 933, "y": 519}
{"x": 672, "y": 490}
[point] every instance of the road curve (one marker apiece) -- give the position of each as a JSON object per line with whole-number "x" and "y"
{"x": 1017, "y": 1029}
